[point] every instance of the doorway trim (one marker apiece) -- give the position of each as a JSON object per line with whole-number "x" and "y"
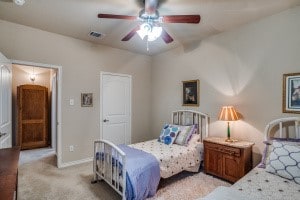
{"x": 102, "y": 73}
{"x": 59, "y": 100}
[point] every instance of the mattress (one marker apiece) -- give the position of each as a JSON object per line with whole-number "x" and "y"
{"x": 259, "y": 184}
{"x": 173, "y": 158}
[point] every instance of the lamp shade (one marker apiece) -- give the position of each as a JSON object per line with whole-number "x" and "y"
{"x": 228, "y": 113}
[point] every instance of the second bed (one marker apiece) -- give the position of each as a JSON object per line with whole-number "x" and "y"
{"x": 112, "y": 162}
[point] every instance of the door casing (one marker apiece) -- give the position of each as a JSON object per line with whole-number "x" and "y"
{"x": 59, "y": 100}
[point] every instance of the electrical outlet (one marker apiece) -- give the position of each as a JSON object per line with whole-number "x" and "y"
{"x": 71, "y": 148}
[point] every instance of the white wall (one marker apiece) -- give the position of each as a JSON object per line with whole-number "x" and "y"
{"x": 81, "y": 65}
{"x": 243, "y": 67}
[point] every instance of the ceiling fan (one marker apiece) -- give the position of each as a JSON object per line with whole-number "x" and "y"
{"x": 17, "y": 2}
{"x": 151, "y": 22}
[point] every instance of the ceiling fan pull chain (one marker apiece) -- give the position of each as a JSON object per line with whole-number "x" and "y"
{"x": 147, "y": 45}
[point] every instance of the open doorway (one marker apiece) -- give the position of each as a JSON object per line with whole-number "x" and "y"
{"x": 36, "y": 76}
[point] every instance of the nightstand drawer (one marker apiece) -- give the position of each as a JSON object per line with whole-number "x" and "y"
{"x": 225, "y": 149}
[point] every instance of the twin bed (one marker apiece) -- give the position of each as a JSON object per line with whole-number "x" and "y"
{"x": 134, "y": 171}
{"x": 277, "y": 177}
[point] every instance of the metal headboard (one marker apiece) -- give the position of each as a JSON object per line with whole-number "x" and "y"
{"x": 295, "y": 121}
{"x": 189, "y": 117}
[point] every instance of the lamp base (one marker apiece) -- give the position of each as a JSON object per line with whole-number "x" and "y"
{"x": 230, "y": 140}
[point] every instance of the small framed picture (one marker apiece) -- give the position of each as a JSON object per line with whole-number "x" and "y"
{"x": 291, "y": 93}
{"x": 190, "y": 93}
{"x": 86, "y": 99}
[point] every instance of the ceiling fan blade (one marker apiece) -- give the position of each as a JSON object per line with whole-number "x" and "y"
{"x": 111, "y": 16}
{"x": 166, "y": 37}
{"x": 131, "y": 34}
{"x": 193, "y": 19}
{"x": 151, "y": 6}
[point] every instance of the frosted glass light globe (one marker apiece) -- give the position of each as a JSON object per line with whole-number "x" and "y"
{"x": 19, "y": 2}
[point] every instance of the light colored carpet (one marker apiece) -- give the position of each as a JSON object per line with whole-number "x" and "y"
{"x": 40, "y": 179}
{"x": 27, "y": 156}
{"x": 187, "y": 186}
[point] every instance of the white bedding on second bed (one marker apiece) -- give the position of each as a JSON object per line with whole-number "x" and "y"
{"x": 173, "y": 158}
{"x": 260, "y": 184}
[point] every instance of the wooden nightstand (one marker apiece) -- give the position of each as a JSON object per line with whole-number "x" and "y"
{"x": 229, "y": 161}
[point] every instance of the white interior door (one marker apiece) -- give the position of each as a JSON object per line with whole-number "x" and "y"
{"x": 115, "y": 108}
{"x": 5, "y": 103}
{"x": 54, "y": 113}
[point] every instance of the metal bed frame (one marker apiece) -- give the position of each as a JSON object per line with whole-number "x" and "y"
{"x": 283, "y": 123}
{"x": 109, "y": 162}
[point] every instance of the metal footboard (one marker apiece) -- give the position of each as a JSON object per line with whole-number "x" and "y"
{"x": 110, "y": 165}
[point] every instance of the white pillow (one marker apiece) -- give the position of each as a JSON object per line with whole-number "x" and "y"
{"x": 284, "y": 161}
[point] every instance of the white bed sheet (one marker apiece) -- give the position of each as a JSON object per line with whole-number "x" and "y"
{"x": 259, "y": 184}
{"x": 173, "y": 158}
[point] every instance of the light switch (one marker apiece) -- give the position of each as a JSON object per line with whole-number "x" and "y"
{"x": 71, "y": 102}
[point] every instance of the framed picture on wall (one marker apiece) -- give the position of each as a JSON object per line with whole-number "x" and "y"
{"x": 86, "y": 99}
{"x": 291, "y": 93}
{"x": 190, "y": 93}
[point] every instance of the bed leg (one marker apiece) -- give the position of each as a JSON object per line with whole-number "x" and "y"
{"x": 93, "y": 181}
{"x": 96, "y": 179}
{"x": 201, "y": 167}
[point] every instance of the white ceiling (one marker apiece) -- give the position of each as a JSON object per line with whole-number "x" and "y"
{"x": 76, "y": 18}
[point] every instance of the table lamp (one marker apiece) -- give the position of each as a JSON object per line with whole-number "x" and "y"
{"x": 228, "y": 114}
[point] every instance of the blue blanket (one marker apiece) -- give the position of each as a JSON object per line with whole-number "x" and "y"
{"x": 143, "y": 173}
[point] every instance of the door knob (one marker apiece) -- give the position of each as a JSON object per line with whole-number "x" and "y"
{"x": 2, "y": 134}
{"x": 105, "y": 120}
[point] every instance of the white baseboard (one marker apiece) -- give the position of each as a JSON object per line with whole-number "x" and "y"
{"x": 76, "y": 162}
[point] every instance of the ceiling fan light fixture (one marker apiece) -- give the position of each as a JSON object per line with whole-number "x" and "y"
{"x": 153, "y": 32}
{"x": 142, "y": 34}
{"x": 19, "y": 2}
{"x": 145, "y": 29}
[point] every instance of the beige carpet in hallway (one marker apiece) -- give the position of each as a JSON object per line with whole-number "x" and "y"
{"x": 40, "y": 179}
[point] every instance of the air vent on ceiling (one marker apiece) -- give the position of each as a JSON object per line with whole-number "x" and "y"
{"x": 96, "y": 34}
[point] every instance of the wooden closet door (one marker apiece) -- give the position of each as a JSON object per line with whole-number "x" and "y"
{"x": 32, "y": 116}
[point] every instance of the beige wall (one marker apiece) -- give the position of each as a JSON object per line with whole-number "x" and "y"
{"x": 21, "y": 77}
{"x": 81, "y": 65}
{"x": 243, "y": 67}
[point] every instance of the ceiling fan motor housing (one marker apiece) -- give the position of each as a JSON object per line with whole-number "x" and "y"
{"x": 145, "y": 16}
